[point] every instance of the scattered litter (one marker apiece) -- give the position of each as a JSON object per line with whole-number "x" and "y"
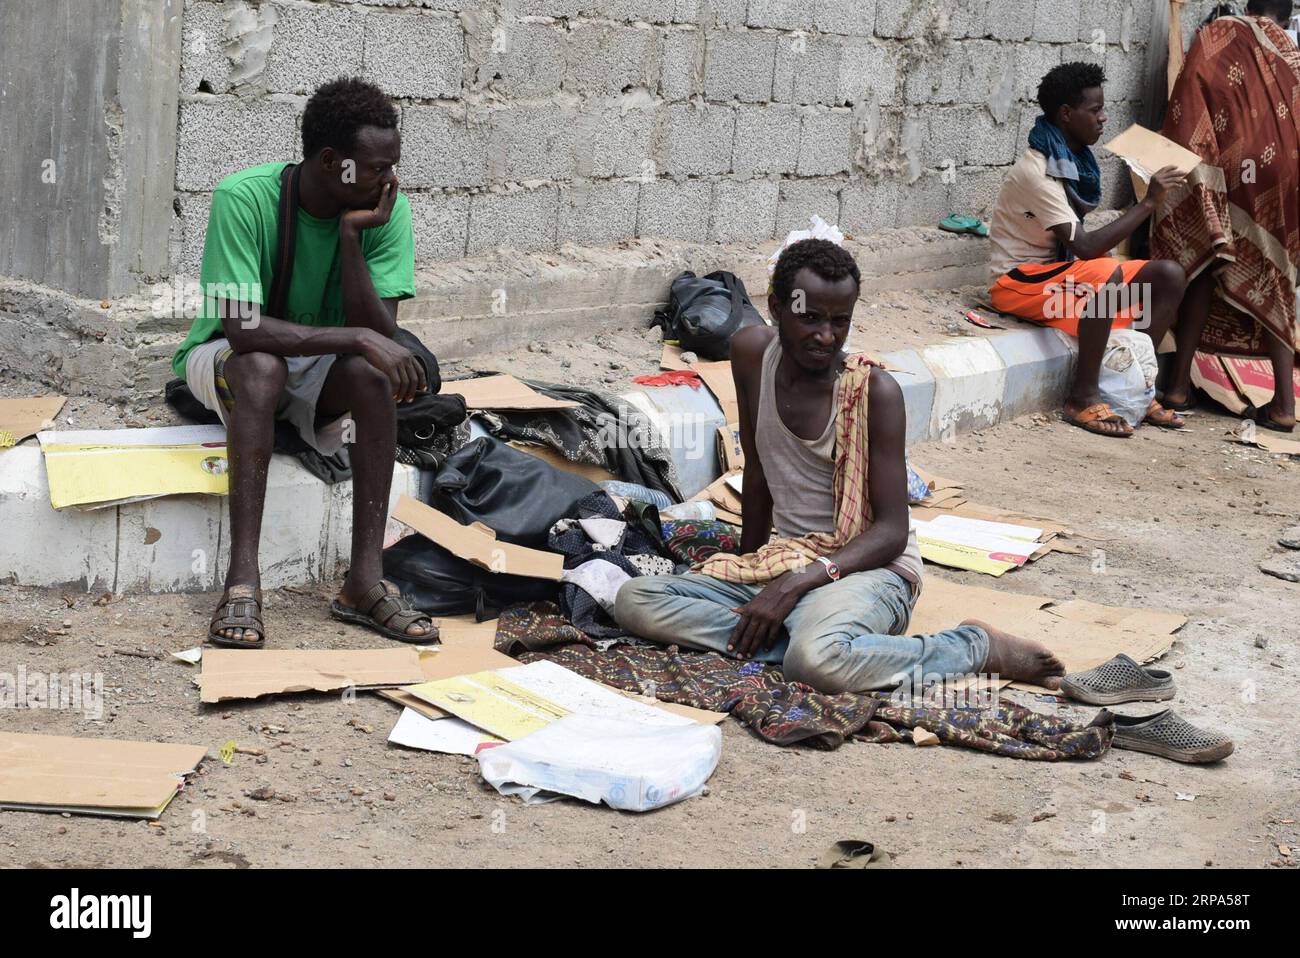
{"x": 1184, "y": 797}
{"x": 189, "y": 656}
{"x": 976, "y": 545}
{"x": 92, "y": 776}
{"x": 671, "y": 377}
{"x": 625, "y": 764}
{"x": 922, "y": 737}
{"x": 451, "y": 735}
{"x": 23, "y": 418}
{"x": 502, "y": 392}
{"x": 973, "y": 317}
{"x": 477, "y": 543}
{"x": 1044, "y": 816}
{"x": 97, "y": 468}
{"x": 251, "y": 673}
{"x": 855, "y": 854}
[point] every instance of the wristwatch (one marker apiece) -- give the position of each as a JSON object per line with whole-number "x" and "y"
{"x": 832, "y": 569}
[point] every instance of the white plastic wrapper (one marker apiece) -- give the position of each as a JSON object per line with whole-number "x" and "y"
{"x": 627, "y": 765}
{"x": 818, "y": 228}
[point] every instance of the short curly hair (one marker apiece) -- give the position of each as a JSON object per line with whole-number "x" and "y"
{"x": 1064, "y": 85}
{"x": 338, "y": 109}
{"x": 828, "y": 260}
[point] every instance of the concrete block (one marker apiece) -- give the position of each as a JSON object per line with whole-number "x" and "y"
{"x": 824, "y": 142}
{"x": 917, "y": 383}
{"x": 1032, "y": 62}
{"x": 1126, "y": 76}
{"x": 904, "y": 18}
{"x": 966, "y": 18}
{"x": 519, "y": 220}
{"x": 529, "y": 61}
{"x": 647, "y": 11}
{"x": 738, "y": 66}
{"x": 532, "y": 142}
{"x": 1010, "y": 19}
{"x": 1083, "y": 53}
{"x": 170, "y": 545}
{"x": 192, "y": 224}
{"x": 801, "y": 199}
{"x": 1102, "y": 21}
{"x": 925, "y": 202}
{"x": 969, "y": 383}
{"x": 940, "y": 76}
{"x": 1116, "y": 186}
{"x": 867, "y": 206}
{"x": 975, "y": 190}
{"x": 967, "y": 136}
{"x": 1039, "y": 368}
{"x": 77, "y": 549}
{"x": 808, "y": 70}
{"x": 675, "y": 209}
{"x": 854, "y": 18}
{"x": 414, "y": 54}
{"x": 867, "y": 69}
{"x": 681, "y": 64}
{"x": 441, "y": 224}
{"x": 616, "y": 142}
{"x": 205, "y": 66}
{"x": 605, "y": 60}
{"x": 767, "y": 140}
{"x": 599, "y": 213}
{"x": 1057, "y": 22}
{"x": 743, "y": 210}
{"x": 440, "y": 148}
{"x": 222, "y": 135}
{"x": 721, "y": 13}
{"x": 545, "y": 8}
{"x": 695, "y": 141}
{"x": 782, "y": 14}
{"x": 311, "y": 46}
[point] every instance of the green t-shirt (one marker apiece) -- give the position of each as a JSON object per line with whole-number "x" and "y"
{"x": 239, "y": 249}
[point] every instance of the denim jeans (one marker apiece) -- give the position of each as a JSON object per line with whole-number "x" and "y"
{"x": 845, "y": 636}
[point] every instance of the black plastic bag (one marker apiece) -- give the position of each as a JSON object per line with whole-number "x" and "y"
{"x": 705, "y": 312}
{"x": 516, "y": 495}
{"x": 439, "y": 583}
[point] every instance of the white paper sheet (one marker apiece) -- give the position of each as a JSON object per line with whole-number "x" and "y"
{"x": 571, "y": 691}
{"x": 450, "y": 735}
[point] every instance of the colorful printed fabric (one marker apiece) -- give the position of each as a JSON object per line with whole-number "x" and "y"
{"x": 693, "y": 541}
{"x": 1236, "y": 104}
{"x": 786, "y": 713}
{"x": 849, "y": 482}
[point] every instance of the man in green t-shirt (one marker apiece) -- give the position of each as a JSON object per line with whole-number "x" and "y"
{"x": 328, "y": 365}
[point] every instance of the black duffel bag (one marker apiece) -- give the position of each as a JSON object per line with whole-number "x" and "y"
{"x": 705, "y": 312}
{"x": 439, "y": 583}
{"x": 516, "y": 495}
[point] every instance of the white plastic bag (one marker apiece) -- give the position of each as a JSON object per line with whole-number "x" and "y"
{"x": 626, "y": 765}
{"x": 1128, "y": 374}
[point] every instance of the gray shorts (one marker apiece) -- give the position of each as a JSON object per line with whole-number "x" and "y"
{"x": 297, "y": 404}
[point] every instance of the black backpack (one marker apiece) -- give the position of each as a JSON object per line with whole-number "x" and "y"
{"x": 705, "y": 312}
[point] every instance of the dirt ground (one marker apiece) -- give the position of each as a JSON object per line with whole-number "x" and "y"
{"x": 1183, "y": 520}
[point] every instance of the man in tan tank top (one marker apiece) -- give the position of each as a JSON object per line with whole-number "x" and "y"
{"x": 835, "y": 623}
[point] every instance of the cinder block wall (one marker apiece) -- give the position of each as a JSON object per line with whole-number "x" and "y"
{"x": 532, "y": 123}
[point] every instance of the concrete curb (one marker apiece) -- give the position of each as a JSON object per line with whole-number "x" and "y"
{"x": 181, "y": 544}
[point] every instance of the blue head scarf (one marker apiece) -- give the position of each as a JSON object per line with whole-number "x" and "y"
{"x": 1079, "y": 171}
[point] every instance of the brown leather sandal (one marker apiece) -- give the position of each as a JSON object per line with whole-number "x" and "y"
{"x": 240, "y": 608}
{"x": 1158, "y": 415}
{"x": 387, "y": 613}
{"x": 1091, "y": 418}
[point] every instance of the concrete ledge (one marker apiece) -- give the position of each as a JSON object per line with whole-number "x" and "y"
{"x": 120, "y": 350}
{"x": 973, "y": 383}
{"x": 173, "y": 544}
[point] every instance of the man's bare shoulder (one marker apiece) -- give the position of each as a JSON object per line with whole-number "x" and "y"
{"x": 884, "y": 392}
{"x": 748, "y": 344}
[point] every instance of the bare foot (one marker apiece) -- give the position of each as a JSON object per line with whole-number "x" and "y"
{"x": 1021, "y": 660}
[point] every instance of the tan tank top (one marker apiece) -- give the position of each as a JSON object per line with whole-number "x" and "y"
{"x": 800, "y": 472}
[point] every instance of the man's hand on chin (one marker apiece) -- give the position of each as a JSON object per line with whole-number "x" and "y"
{"x": 763, "y": 617}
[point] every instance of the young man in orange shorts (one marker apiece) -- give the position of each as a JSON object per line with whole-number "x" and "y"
{"x": 1048, "y": 269}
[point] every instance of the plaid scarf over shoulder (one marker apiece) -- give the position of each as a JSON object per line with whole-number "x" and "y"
{"x": 852, "y": 508}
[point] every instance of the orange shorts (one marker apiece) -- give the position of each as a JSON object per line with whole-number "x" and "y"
{"x": 1061, "y": 294}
